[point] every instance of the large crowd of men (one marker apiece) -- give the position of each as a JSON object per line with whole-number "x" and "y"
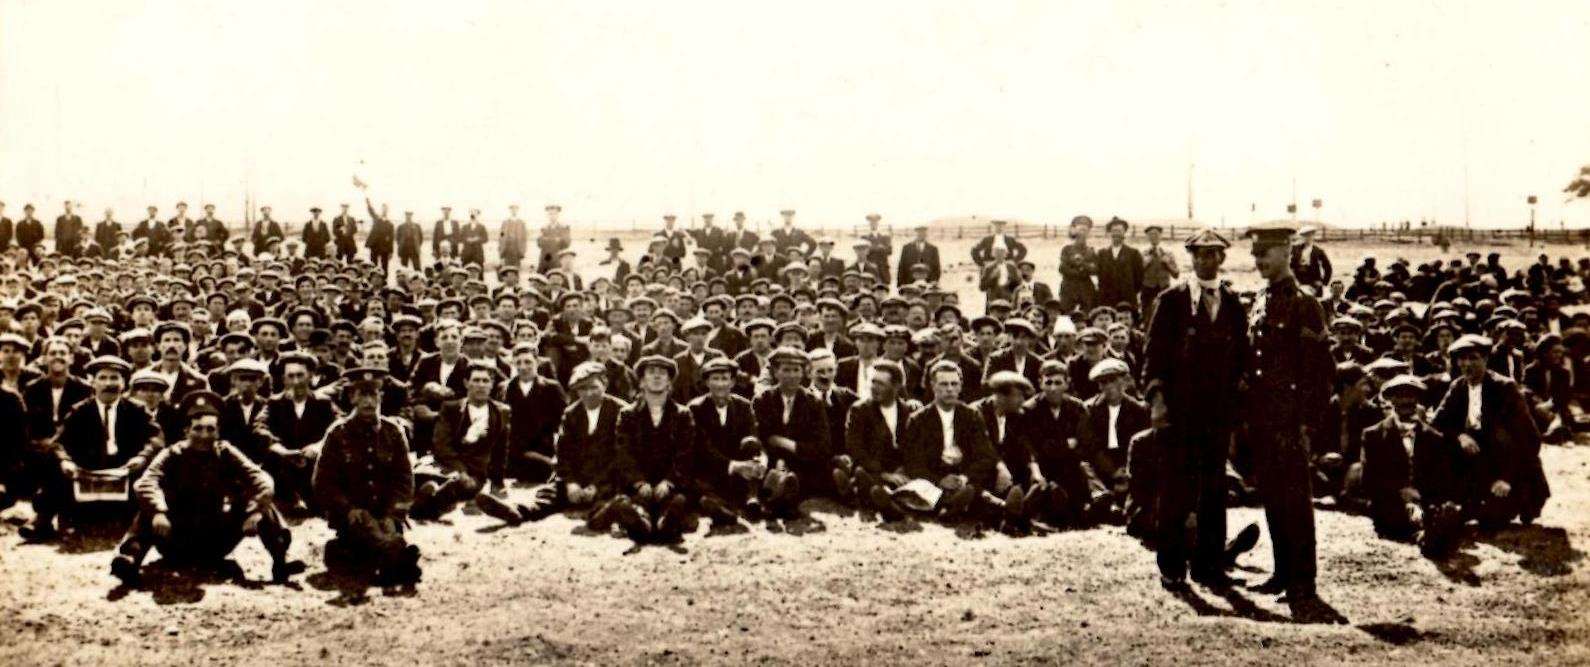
{"x": 231, "y": 382}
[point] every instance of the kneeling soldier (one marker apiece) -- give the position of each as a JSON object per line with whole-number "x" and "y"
{"x": 726, "y": 465}
{"x": 471, "y": 446}
{"x": 653, "y": 454}
{"x": 364, "y": 484}
{"x": 199, "y": 498}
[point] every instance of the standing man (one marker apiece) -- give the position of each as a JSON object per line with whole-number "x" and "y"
{"x": 919, "y": 251}
{"x": 713, "y": 239}
{"x": 6, "y": 229}
{"x": 1120, "y": 267}
{"x": 265, "y": 230}
{"x": 345, "y": 230}
{"x": 106, "y": 233}
{"x": 881, "y": 245}
{"x": 445, "y": 231}
{"x": 69, "y": 232}
{"x": 788, "y": 236}
{"x": 155, "y": 233}
{"x": 473, "y": 240}
{"x": 209, "y": 231}
{"x": 410, "y": 236}
{"x": 30, "y": 232}
{"x": 741, "y": 237}
{"x": 553, "y": 240}
{"x": 1000, "y": 277}
{"x": 511, "y": 239}
{"x": 381, "y": 235}
{"x": 983, "y": 252}
{"x": 674, "y": 240}
{"x": 1159, "y": 270}
{"x": 316, "y": 235}
{"x": 1290, "y": 375}
{"x": 1078, "y": 264}
{"x": 1309, "y": 262}
{"x": 1193, "y": 362}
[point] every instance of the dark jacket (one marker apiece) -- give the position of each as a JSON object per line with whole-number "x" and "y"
{"x": 924, "y": 446}
{"x": 718, "y": 443}
{"x": 202, "y": 489}
{"x": 868, "y": 441}
{"x": 984, "y": 250}
{"x": 534, "y": 416}
{"x": 586, "y": 456}
{"x": 1197, "y": 361}
{"x": 1430, "y": 470}
{"x": 43, "y": 416}
{"x": 648, "y": 452}
{"x": 1012, "y": 446}
{"x": 484, "y": 459}
{"x": 807, "y": 426}
{"x": 83, "y": 436}
{"x": 1120, "y": 278}
{"x": 294, "y": 432}
{"x": 1313, "y": 270}
{"x": 914, "y": 253}
{"x": 364, "y": 465}
{"x": 1095, "y": 440}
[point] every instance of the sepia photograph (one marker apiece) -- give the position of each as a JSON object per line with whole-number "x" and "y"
{"x": 390, "y": 332}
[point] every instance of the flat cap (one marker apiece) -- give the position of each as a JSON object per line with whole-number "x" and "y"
{"x": 106, "y": 361}
{"x": 1207, "y": 238}
{"x": 1470, "y": 343}
{"x": 657, "y": 361}
{"x": 1108, "y": 368}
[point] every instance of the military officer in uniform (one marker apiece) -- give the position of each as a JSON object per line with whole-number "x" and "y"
{"x": 1289, "y": 375}
{"x": 1197, "y": 346}
{"x": 364, "y": 485}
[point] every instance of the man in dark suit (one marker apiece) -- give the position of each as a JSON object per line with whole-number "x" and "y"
{"x": 983, "y": 252}
{"x": 947, "y": 445}
{"x": 382, "y": 235}
{"x": 265, "y": 231}
{"x": 832, "y": 336}
{"x": 1113, "y": 418}
{"x": 316, "y": 235}
{"x": 689, "y": 381}
{"x": 1410, "y": 473}
{"x": 871, "y": 464}
{"x": 51, "y": 397}
{"x": 437, "y": 378}
{"x": 999, "y": 277}
{"x": 652, "y": 460}
{"x": 792, "y": 424}
{"x": 1018, "y": 357}
{"x": 410, "y": 236}
{"x": 1499, "y": 441}
{"x": 1120, "y": 267}
{"x": 1072, "y": 493}
{"x": 297, "y": 420}
{"x": 69, "y": 232}
{"x": 724, "y": 472}
{"x": 587, "y": 433}
{"x": 106, "y": 233}
{"x": 880, "y": 246}
{"x": 1018, "y": 478}
{"x": 828, "y": 266}
{"x": 741, "y": 237}
{"x": 722, "y": 337}
{"x": 101, "y": 433}
{"x": 855, "y": 373}
{"x": 919, "y": 251}
{"x": 472, "y": 240}
{"x": 7, "y": 230}
{"x": 471, "y": 446}
{"x": 1194, "y": 358}
{"x": 445, "y": 231}
{"x": 535, "y": 404}
{"x": 30, "y": 232}
{"x": 835, "y": 399}
{"x": 789, "y": 236}
{"x": 1310, "y": 263}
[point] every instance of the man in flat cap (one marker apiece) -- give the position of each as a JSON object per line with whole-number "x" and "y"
{"x": 266, "y": 229}
{"x": 789, "y": 236}
{"x": 30, "y": 233}
{"x": 947, "y": 446}
{"x": 870, "y": 465}
{"x": 1159, "y": 270}
{"x": 199, "y": 498}
{"x": 1411, "y": 476}
{"x": 1486, "y": 413}
{"x": 103, "y": 433}
{"x": 652, "y": 459}
{"x": 512, "y": 238}
{"x": 364, "y": 486}
{"x": 1289, "y": 376}
{"x": 316, "y": 236}
{"x": 297, "y": 419}
{"x": 1120, "y": 267}
{"x": 919, "y": 251}
{"x": 726, "y": 466}
{"x": 880, "y": 247}
{"x": 586, "y": 438}
{"x": 792, "y": 424}
{"x": 1193, "y": 363}
{"x": 1113, "y": 417}
{"x": 68, "y": 231}
{"x": 1310, "y": 264}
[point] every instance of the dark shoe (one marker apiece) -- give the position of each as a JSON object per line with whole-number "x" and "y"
{"x": 633, "y": 521}
{"x": 605, "y": 515}
{"x": 1242, "y": 543}
{"x": 405, "y": 571}
{"x": 670, "y": 523}
{"x": 754, "y": 510}
{"x": 499, "y": 510}
{"x": 1271, "y": 586}
{"x": 884, "y": 503}
{"x": 123, "y": 568}
{"x": 1307, "y": 607}
{"x": 281, "y": 570}
{"x": 957, "y": 503}
{"x": 719, "y": 513}
{"x": 40, "y": 530}
{"x": 843, "y": 484}
{"x": 1215, "y": 581}
{"x": 1173, "y": 584}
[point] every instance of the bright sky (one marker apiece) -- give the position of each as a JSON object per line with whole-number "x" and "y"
{"x": 624, "y": 110}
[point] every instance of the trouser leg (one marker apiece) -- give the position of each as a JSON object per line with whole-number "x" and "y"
{"x": 1289, "y": 512}
{"x": 1210, "y": 540}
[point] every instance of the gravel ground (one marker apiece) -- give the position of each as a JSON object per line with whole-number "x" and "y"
{"x": 835, "y": 589}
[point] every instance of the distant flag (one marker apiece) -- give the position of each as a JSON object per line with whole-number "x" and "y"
{"x": 1580, "y": 187}
{"x": 359, "y": 183}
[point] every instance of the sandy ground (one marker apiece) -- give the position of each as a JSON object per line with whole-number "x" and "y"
{"x": 837, "y": 589}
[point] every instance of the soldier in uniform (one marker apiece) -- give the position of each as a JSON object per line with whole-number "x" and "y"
{"x": 199, "y": 498}
{"x": 1197, "y": 346}
{"x": 1289, "y": 377}
{"x": 364, "y": 486}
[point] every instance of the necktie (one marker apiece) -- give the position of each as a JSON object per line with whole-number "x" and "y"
{"x": 1206, "y": 299}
